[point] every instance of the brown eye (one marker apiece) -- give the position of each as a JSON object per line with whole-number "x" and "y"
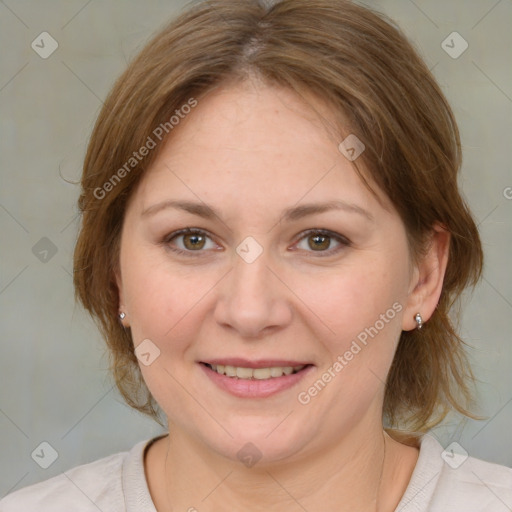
{"x": 319, "y": 242}
{"x": 188, "y": 241}
{"x": 325, "y": 243}
{"x": 193, "y": 241}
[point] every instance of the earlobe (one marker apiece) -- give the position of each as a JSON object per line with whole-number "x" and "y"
{"x": 122, "y": 308}
{"x": 428, "y": 280}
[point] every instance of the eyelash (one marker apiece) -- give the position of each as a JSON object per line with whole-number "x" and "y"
{"x": 343, "y": 241}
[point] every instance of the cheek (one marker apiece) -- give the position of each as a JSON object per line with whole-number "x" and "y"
{"x": 164, "y": 300}
{"x": 357, "y": 298}
{"x": 364, "y": 308}
{"x": 159, "y": 303}
{"x": 165, "y": 303}
{"x": 363, "y": 305}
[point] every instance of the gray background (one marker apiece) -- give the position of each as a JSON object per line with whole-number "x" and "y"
{"x": 55, "y": 385}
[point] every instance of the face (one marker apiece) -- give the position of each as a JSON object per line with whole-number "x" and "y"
{"x": 287, "y": 262}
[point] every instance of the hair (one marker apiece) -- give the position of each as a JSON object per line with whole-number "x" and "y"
{"x": 358, "y": 62}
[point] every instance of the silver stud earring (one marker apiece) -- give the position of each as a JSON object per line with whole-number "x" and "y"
{"x": 419, "y": 321}
{"x": 122, "y": 315}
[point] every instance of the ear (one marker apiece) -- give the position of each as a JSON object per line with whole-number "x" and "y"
{"x": 427, "y": 279}
{"x": 122, "y": 304}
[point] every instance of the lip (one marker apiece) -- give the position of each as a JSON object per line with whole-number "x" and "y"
{"x": 261, "y": 363}
{"x": 254, "y": 388}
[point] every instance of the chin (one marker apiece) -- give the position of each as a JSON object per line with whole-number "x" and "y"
{"x": 258, "y": 441}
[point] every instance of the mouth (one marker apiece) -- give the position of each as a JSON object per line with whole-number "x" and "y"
{"x": 241, "y": 372}
{"x": 246, "y": 379}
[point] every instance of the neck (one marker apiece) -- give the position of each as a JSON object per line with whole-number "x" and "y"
{"x": 348, "y": 476}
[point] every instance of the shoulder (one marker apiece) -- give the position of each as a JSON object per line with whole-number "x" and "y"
{"x": 478, "y": 484}
{"x": 450, "y": 479}
{"x": 89, "y": 487}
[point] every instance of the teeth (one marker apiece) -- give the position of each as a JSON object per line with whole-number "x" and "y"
{"x": 230, "y": 371}
{"x": 276, "y": 372}
{"x": 255, "y": 373}
{"x": 244, "y": 373}
{"x": 261, "y": 373}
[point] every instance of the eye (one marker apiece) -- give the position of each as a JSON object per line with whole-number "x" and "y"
{"x": 321, "y": 241}
{"x": 189, "y": 240}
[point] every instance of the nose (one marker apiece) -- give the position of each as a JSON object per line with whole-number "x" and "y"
{"x": 253, "y": 301}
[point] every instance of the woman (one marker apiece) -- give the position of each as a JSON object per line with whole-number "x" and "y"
{"x": 272, "y": 240}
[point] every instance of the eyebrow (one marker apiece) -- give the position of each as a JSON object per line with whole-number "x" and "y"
{"x": 290, "y": 214}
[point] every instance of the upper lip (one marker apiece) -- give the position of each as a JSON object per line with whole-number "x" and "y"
{"x": 260, "y": 363}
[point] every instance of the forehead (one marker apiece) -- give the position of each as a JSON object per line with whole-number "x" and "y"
{"x": 250, "y": 144}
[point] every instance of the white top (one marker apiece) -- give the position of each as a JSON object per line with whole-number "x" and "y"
{"x": 118, "y": 484}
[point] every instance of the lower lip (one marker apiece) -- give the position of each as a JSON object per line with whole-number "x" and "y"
{"x": 254, "y": 388}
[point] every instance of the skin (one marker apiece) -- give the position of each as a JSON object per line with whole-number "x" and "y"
{"x": 251, "y": 151}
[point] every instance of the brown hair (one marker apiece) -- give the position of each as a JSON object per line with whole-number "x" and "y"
{"x": 359, "y": 63}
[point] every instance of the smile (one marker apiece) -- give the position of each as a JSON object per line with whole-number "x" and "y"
{"x": 255, "y": 373}
{"x": 242, "y": 381}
